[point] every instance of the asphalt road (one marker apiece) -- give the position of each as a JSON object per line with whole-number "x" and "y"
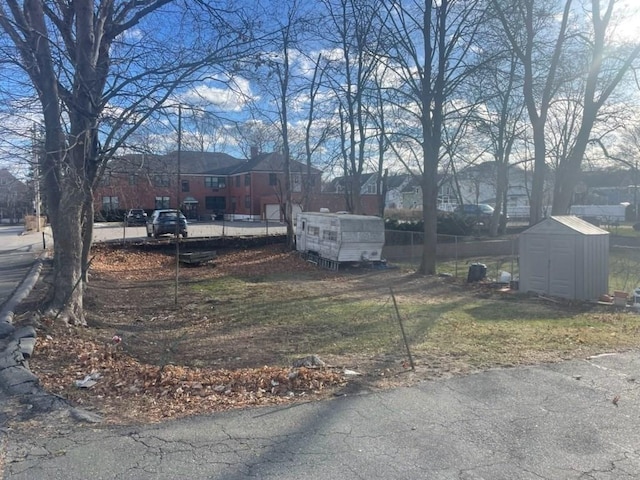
{"x": 546, "y": 422}
{"x": 17, "y": 254}
{"x": 115, "y": 231}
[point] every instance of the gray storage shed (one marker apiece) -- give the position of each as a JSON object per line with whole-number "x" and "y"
{"x": 564, "y": 256}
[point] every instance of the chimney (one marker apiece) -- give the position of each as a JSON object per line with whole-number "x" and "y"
{"x": 254, "y": 152}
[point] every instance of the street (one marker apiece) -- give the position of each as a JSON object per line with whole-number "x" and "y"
{"x": 17, "y": 254}
{"x": 571, "y": 420}
{"x": 113, "y": 231}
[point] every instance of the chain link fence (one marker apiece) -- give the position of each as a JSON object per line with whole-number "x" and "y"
{"x": 455, "y": 254}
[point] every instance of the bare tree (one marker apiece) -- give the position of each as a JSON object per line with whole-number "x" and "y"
{"x": 604, "y": 69}
{"x": 527, "y": 25}
{"x": 356, "y": 34}
{"x": 83, "y": 61}
{"x": 595, "y": 69}
{"x": 501, "y": 123}
{"x": 431, "y": 55}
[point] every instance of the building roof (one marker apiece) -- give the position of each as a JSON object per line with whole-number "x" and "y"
{"x": 264, "y": 162}
{"x": 565, "y": 224}
{"x": 203, "y": 163}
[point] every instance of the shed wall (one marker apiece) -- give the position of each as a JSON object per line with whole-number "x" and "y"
{"x": 557, "y": 261}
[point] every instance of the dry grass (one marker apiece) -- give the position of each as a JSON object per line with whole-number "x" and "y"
{"x": 267, "y": 307}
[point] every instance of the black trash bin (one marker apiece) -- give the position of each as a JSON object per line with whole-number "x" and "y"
{"x": 477, "y": 272}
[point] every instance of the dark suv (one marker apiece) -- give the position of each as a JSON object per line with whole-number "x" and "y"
{"x": 480, "y": 212}
{"x": 135, "y": 216}
{"x": 165, "y": 222}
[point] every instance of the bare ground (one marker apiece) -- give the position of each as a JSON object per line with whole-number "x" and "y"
{"x": 158, "y": 358}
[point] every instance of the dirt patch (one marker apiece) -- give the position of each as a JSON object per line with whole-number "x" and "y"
{"x": 152, "y": 357}
{"x": 228, "y": 334}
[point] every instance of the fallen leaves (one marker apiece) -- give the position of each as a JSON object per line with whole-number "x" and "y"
{"x": 169, "y": 390}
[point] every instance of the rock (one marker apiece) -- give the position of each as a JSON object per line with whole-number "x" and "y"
{"x": 25, "y": 332}
{"x": 6, "y": 329}
{"x": 309, "y": 362}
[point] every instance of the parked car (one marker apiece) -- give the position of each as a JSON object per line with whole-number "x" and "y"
{"x": 480, "y": 212}
{"x": 165, "y": 222}
{"x": 135, "y": 216}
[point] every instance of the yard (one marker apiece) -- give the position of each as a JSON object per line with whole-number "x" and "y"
{"x": 240, "y": 322}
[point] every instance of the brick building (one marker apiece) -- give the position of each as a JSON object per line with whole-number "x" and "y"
{"x": 211, "y": 184}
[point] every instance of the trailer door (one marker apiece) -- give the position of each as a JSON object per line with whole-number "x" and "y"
{"x": 301, "y": 237}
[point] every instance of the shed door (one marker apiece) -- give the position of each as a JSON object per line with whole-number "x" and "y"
{"x": 562, "y": 267}
{"x": 552, "y": 265}
{"x": 538, "y": 260}
{"x": 301, "y": 238}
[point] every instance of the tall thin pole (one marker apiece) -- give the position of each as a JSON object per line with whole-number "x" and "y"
{"x": 178, "y": 187}
{"x": 36, "y": 175}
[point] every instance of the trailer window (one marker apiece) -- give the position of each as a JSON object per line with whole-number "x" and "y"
{"x": 314, "y": 231}
{"x": 330, "y": 235}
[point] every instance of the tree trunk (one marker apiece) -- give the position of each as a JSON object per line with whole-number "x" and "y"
{"x": 66, "y": 226}
{"x": 87, "y": 233}
{"x": 570, "y": 169}
{"x": 539, "y": 168}
{"x": 356, "y": 200}
{"x": 429, "y": 213}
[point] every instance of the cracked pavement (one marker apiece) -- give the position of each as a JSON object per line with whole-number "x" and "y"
{"x": 557, "y": 421}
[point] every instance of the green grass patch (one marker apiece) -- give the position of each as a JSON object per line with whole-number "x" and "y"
{"x": 306, "y": 317}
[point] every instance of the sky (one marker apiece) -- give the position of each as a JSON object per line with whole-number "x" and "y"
{"x": 228, "y": 94}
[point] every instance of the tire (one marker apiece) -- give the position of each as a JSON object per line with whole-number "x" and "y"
{"x": 155, "y": 234}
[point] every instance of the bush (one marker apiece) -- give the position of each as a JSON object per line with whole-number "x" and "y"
{"x": 448, "y": 224}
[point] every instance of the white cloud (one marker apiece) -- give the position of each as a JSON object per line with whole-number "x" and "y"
{"x": 232, "y": 95}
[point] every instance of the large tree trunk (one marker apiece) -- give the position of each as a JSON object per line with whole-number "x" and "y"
{"x": 429, "y": 213}
{"x": 66, "y": 303}
{"x": 569, "y": 170}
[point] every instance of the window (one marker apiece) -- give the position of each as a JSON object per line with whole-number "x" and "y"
{"x": 110, "y": 203}
{"x": 370, "y": 188}
{"x": 133, "y": 179}
{"x": 247, "y": 201}
{"x": 162, "y": 202}
{"x": 238, "y": 181}
{"x": 273, "y": 179}
{"x": 185, "y": 185}
{"x": 247, "y": 180}
{"x": 215, "y": 182}
{"x": 330, "y": 235}
{"x": 313, "y": 231}
{"x": 161, "y": 180}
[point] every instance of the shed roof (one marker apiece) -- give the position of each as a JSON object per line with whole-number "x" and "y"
{"x": 564, "y": 224}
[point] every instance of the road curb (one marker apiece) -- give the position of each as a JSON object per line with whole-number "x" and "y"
{"x": 23, "y": 290}
{"x": 16, "y": 347}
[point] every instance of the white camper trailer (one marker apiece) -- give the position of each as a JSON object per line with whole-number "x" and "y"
{"x": 332, "y": 238}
